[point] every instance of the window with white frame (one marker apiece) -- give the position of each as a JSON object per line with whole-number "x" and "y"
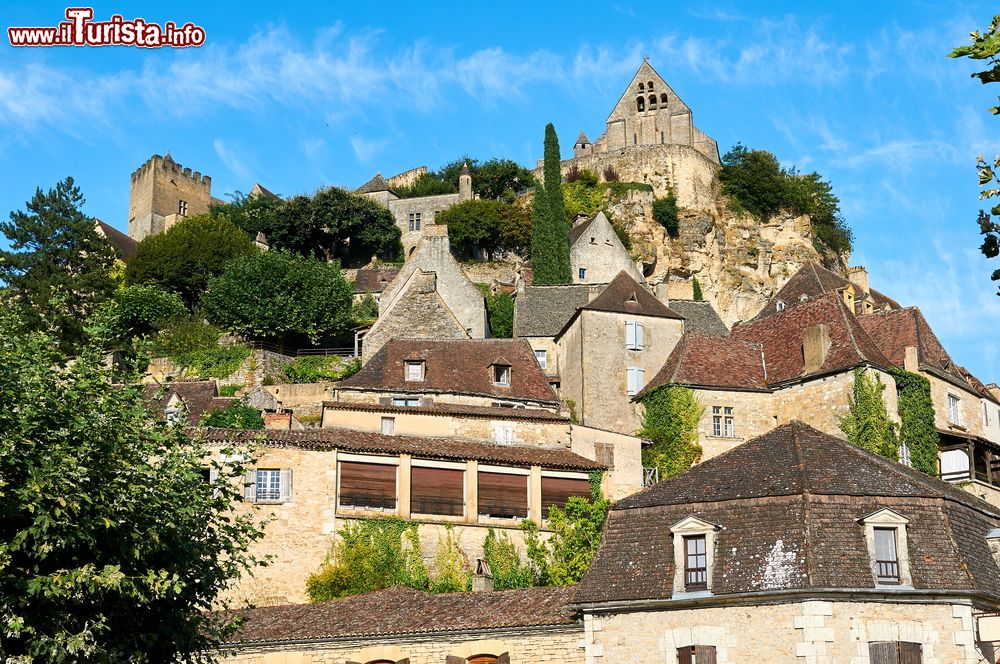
{"x": 886, "y": 556}
{"x": 633, "y": 335}
{"x": 904, "y": 454}
{"x": 501, "y": 374}
{"x": 405, "y": 401}
{"x": 543, "y": 358}
{"x": 886, "y": 540}
{"x": 635, "y": 380}
{"x": 388, "y": 426}
{"x": 414, "y": 371}
{"x": 582, "y": 272}
{"x": 268, "y": 485}
{"x": 414, "y": 221}
{"x": 693, "y": 544}
{"x": 503, "y": 433}
{"x": 182, "y": 208}
{"x": 723, "y": 422}
{"x": 954, "y": 409}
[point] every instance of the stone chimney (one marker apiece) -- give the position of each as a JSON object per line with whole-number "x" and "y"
{"x": 858, "y": 275}
{"x": 465, "y": 184}
{"x": 482, "y": 579}
{"x": 815, "y": 347}
{"x": 278, "y": 420}
{"x": 911, "y": 359}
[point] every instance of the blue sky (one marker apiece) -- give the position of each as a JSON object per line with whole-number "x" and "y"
{"x": 299, "y": 97}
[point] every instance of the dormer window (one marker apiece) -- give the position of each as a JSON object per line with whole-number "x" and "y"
{"x": 694, "y": 546}
{"x": 695, "y": 563}
{"x": 885, "y": 537}
{"x": 886, "y": 556}
{"x": 779, "y": 305}
{"x": 414, "y": 370}
{"x": 501, "y": 375}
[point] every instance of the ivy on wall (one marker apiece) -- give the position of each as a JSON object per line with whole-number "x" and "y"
{"x": 670, "y": 419}
{"x": 867, "y": 422}
{"x": 916, "y": 413}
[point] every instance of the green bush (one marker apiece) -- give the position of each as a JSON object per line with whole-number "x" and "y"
{"x": 140, "y": 310}
{"x": 486, "y": 227}
{"x": 696, "y": 294}
{"x": 670, "y": 419}
{"x": 501, "y": 555}
{"x": 184, "y": 335}
{"x": 665, "y": 214}
{"x": 228, "y": 390}
{"x": 563, "y": 559}
{"x": 452, "y": 572}
{"x": 234, "y": 416}
{"x": 427, "y": 184}
{"x": 220, "y": 362}
{"x": 499, "y": 312}
{"x": 365, "y": 310}
{"x": 320, "y": 368}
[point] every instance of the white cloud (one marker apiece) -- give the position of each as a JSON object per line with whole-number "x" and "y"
{"x": 229, "y": 154}
{"x": 365, "y": 149}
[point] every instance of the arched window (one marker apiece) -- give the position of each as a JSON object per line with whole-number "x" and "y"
{"x": 652, "y": 102}
{"x": 642, "y": 88}
{"x": 484, "y": 659}
{"x": 650, "y": 86}
{"x": 640, "y": 104}
{"x": 663, "y": 99}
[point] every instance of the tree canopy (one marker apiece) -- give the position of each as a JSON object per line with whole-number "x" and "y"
{"x": 549, "y": 228}
{"x": 140, "y": 310}
{"x": 495, "y": 179}
{"x": 59, "y": 267}
{"x": 187, "y": 255}
{"x": 252, "y": 214}
{"x": 486, "y": 228}
{"x": 91, "y": 569}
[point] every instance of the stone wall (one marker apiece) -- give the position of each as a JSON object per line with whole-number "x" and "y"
{"x": 600, "y": 253}
{"x": 426, "y": 207}
{"x": 155, "y": 190}
{"x": 624, "y": 477}
{"x": 253, "y": 370}
{"x": 811, "y": 632}
{"x": 969, "y": 405}
{"x": 542, "y": 645}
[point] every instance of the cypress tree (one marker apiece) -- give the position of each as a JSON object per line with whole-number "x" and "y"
{"x": 549, "y": 226}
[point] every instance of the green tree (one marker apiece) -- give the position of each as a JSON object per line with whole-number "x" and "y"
{"x": 867, "y": 422}
{"x": 59, "y": 267}
{"x": 187, "y": 255}
{"x": 251, "y": 214}
{"x": 916, "y": 415}
{"x": 486, "y": 228}
{"x": 670, "y": 417}
{"x": 549, "y": 228}
{"x": 665, "y": 213}
{"x": 140, "y": 310}
{"x": 427, "y": 184}
{"x": 563, "y": 559}
{"x": 452, "y": 171}
{"x": 280, "y": 295}
{"x": 238, "y": 415}
{"x": 365, "y": 310}
{"x": 499, "y": 312}
{"x": 500, "y": 553}
{"x": 91, "y": 569}
{"x": 696, "y": 290}
{"x": 984, "y": 46}
{"x": 501, "y": 179}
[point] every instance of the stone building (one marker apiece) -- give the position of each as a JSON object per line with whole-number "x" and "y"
{"x": 596, "y": 255}
{"x": 795, "y": 547}
{"x": 163, "y": 192}
{"x": 414, "y": 215}
{"x": 609, "y": 347}
{"x": 123, "y": 245}
{"x": 184, "y": 401}
{"x": 372, "y": 281}
{"x": 541, "y": 312}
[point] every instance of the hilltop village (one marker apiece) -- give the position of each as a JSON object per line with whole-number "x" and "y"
{"x": 784, "y": 541}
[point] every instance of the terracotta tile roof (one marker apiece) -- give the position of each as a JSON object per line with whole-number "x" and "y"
{"x": 810, "y": 282}
{"x": 457, "y": 449}
{"x": 542, "y": 311}
{"x": 124, "y": 246}
{"x": 625, "y": 295}
{"x": 700, "y": 316}
{"x": 787, "y": 506}
{"x": 374, "y": 185}
{"x": 199, "y": 396}
{"x": 406, "y": 611}
{"x": 460, "y": 366}
{"x": 720, "y": 362}
{"x": 781, "y": 338}
{"x": 449, "y": 409}
{"x": 882, "y": 301}
{"x": 370, "y": 280}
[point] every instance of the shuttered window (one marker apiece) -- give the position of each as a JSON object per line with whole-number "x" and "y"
{"x": 635, "y": 380}
{"x": 503, "y": 496}
{"x": 895, "y": 652}
{"x": 696, "y": 655}
{"x": 633, "y": 335}
{"x": 268, "y": 485}
{"x": 437, "y": 491}
{"x": 367, "y": 485}
{"x": 557, "y": 490}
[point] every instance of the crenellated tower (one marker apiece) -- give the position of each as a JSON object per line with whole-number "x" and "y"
{"x": 161, "y": 193}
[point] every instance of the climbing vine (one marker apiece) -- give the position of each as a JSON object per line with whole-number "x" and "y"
{"x": 564, "y": 557}
{"x": 670, "y": 419}
{"x": 916, "y": 413}
{"x": 867, "y": 422}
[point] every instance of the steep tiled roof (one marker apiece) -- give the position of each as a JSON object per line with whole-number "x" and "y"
{"x": 370, "y": 280}
{"x": 199, "y": 396}
{"x": 700, "y": 316}
{"x": 624, "y": 295}
{"x": 427, "y": 447}
{"x": 781, "y": 338}
{"x": 787, "y": 506}
{"x": 449, "y": 409}
{"x": 542, "y": 311}
{"x": 577, "y": 231}
{"x": 463, "y": 366}
{"x": 374, "y": 185}
{"x": 260, "y": 190}
{"x": 721, "y": 362}
{"x": 881, "y": 300}
{"x": 123, "y": 245}
{"x": 406, "y": 611}
{"x": 810, "y": 282}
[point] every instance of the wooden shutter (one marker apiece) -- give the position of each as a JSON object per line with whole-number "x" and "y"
{"x": 557, "y": 490}
{"x": 502, "y": 495}
{"x": 286, "y": 484}
{"x": 638, "y": 336}
{"x": 250, "y": 486}
{"x": 882, "y": 652}
{"x": 910, "y": 653}
{"x": 630, "y": 336}
{"x": 704, "y": 654}
{"x": 605, "y": 453}
{"x": 685, "y": 655}
{"x": 504, "y": 658}
{"x": 437, "y": 491}
{"x": 371, "y": 485}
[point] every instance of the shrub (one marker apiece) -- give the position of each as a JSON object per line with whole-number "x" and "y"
{"x": 228, "y": 390}
{"x": 501, "y": 555}
{"x": 452, "y": 572}
{"x": 572, "y": 174}
{"x": 665, "y": 214}
{"x": 696, "y": 290}
{"x": 670, "y": 419}
{"x": 426, "y": 185}
{"x": 319, "y": 368}
{"x": 220, "y": 362}
{"x": 365, "y": 310}
{"x": 576, "y": 533}
{"x": 140, "y": 310}
{"x": 486, "y": 227}
{"x": 610, "y": 174}
{"x": 499, "y": 312}
{"x": 184, "y": 335}
{"x": 234, "y": 416}
{"x": 584, "y": 198}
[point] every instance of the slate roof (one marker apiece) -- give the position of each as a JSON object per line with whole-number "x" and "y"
{"x": 700, "y": 316}
{"x": 577, "y": 231}
{"x": 787, "y": 506}
{"x": 374, "y": 185}
{"x": 458, "y": 366}
{"x": 542, "y": 311}
{"x": 370, "y": 280}
{"x": 350, "y": 440}
{"x": 199, "y": 396}
{"x": 624, "y": 295}
{"x": 582, "y": 139}
{"x": 124, "y": 246}
{"x": 450, "y": 409}
{"x": 711, "y": 361}
{"x": 406, "y": 611}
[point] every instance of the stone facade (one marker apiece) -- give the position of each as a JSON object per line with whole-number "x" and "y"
{"x": 162, "y": 192}
{"x": 596, "y": 255}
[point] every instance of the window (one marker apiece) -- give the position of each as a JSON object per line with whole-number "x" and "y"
{"x": 405, "y": 401}
{"x": 437, "y": 490}
{"x": 954, "y": 412}
{"x": 388, "y": 426}
{"x": 635, "y": 380}
{"x": 696, "y": 655}
{"x": 182, "y": 208}
{"x": 557, "y": 490}
{"x": 723, "y": 422}
{"x": 501, "y": 374}
{"x": 779, "y": 305}
{"x": 652, "y": 102}
{"x": 268, "y": 485}
{"x": 633, "y": 335}
{"x": 367, "y": 485}
{"x": 414, "y": 371}
{"x": 728, "y": 421}
{"x": 895, "y": 652}
{"x": 582, "y": 272}
{"x": 642, "y": 87}
{"x": 414, "y": 221}
{"x": 695, "y": 563}
{"x": 503, "y": 434}
{"x": 986, "y": 415}
{"x": 173, "y": 414}
{"x": 640, "y": 104}
{"x": 904, "y": 454}
{"x": 886, "y": 560}
{"x": 663, "y": 99}
{"x": 649, "y": 86}
{"x": 543, "y": 358}
{"x": 503, "y": 495}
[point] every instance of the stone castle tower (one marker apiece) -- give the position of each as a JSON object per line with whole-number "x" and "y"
{"x": 649, "y": 112}
{"x": 161, "y": 193}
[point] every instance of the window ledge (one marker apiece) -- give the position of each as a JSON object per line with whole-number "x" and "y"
{"x": 707, "y": 435}
{"x": 696, "y": 594}
{"x": 271, "y": 502}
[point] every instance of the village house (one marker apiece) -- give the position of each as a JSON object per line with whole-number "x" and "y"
{"x": 596, "y": 254}
{"x": 184, "y": 401}
{"x": 372, "y": 281}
